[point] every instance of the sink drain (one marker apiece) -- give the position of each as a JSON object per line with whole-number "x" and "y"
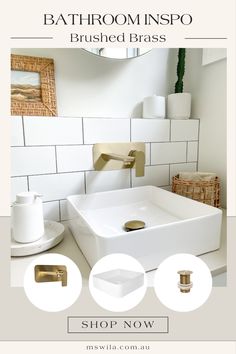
{"x": 133, "y": 225}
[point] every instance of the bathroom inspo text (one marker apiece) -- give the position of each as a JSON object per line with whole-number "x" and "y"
{"x": 120, "y": 19}
{"x": 78, "y": 19}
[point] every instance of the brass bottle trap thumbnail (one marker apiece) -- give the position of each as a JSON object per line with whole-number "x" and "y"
{"x": 185, "y": 283}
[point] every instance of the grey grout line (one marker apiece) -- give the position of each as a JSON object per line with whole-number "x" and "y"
{"x": 69, "y": 172}
{"x": 117, "y": 118}
{"x": 52, "y": 200}
{"x": 55, "y": 200}
{"x": 170, "y": 131}
{"x": 56, "y": 159}
{"x": 130, "y": 130}
{"x": 163, "y": 185}
{"x": 197, "y": 155}
{"x": 85, "y": 187}
{"x": 170, "y": 142}
{"x": 91, "y": 144}
{"x": 53, "y": 173}
{"x": 169, "y": 163}
{"x": 47, "y": 145}
{"x": 23, "y": 128}
{"x": 28, "y": 186}
{"x": 150, "y": 151}
{"x": 59, "y": 209}
{"x": 172, "y": 163}
{"x": 169, "y": 175}
{"x": 83, "y": 130}
{"x": 198, "y": 146}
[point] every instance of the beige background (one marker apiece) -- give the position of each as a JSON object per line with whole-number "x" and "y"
{"x": 216, "y": 320}
{"x": 155, "y": 348}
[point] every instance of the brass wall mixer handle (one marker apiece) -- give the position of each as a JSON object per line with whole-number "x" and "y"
{"x": 139, "y": 160}
{"x": 50, "y": 273}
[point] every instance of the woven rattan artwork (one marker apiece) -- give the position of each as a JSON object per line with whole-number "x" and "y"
{"x": 46, "y": 104}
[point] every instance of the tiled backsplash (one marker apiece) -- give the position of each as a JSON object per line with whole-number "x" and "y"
{"x": 53, "y": 155}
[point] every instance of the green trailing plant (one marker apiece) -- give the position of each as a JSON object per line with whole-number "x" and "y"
{"x": 180, "y": 71}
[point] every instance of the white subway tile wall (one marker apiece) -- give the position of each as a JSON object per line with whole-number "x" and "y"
{"x": 147, "y": 154}
{"x": 150, "y": 130}
{"x": 100, "y": 181}
{"x": 74, "y": 158}
{"x": 182, "y": 167}
{"x": 162, "y": 153}
{"x": 58, "y": 186}
{"x": 180, "y": 131}
{"x": 154, "y": 175}
{"x": 51, "y": 211}
{"x": 192, "y": 151}
{"x": 53, "y": 155}
{"x": 17, "y": 136}
{"x": 18, "y": 185}
{"x": 33, "y": 160}
{"x": 53, "y": 131}
{"x": 63, "y": 210}
{"x": 105, "y": 130}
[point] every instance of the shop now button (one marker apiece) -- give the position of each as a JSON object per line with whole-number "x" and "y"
{"x": 130, "y": 324}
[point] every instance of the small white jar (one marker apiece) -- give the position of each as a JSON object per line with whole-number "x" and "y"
{"x": 154, "y": 107}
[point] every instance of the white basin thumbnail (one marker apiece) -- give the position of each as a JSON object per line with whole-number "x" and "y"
{"x": 173, "y": 224}
{"x": 118, "y": 282}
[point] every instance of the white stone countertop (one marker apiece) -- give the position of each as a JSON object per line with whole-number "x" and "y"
{"x": 216, "y": 260}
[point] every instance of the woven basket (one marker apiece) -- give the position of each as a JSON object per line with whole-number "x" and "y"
{"x": 207, "y": 192}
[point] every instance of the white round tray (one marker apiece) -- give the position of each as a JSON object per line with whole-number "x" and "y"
{"x": 54, "y": 233}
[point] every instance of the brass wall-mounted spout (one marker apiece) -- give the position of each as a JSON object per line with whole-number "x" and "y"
{"x": 116, "y": 156}
{"x": 134, "y": 157}
{"x": 50, "y": 273}
{"x": 128, "y": 160}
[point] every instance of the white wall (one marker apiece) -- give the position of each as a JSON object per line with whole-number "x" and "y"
{"x": 211, "y": 106}
{"x": 208, "y": 87}
{"x": 90, "y": 86}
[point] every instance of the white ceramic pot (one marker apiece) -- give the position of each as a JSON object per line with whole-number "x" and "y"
{"x": 154, "y": 107}
{"x": 179, "y": 105}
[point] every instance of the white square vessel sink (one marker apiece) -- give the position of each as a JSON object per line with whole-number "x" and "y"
{"x": 173, "y": 224}
{"x": 118, "y": 282}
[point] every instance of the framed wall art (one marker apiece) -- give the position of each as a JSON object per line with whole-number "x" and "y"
{"x": 33, "y": 90}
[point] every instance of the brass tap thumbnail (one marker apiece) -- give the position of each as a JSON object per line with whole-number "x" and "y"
{"x": 50, "y": 273}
